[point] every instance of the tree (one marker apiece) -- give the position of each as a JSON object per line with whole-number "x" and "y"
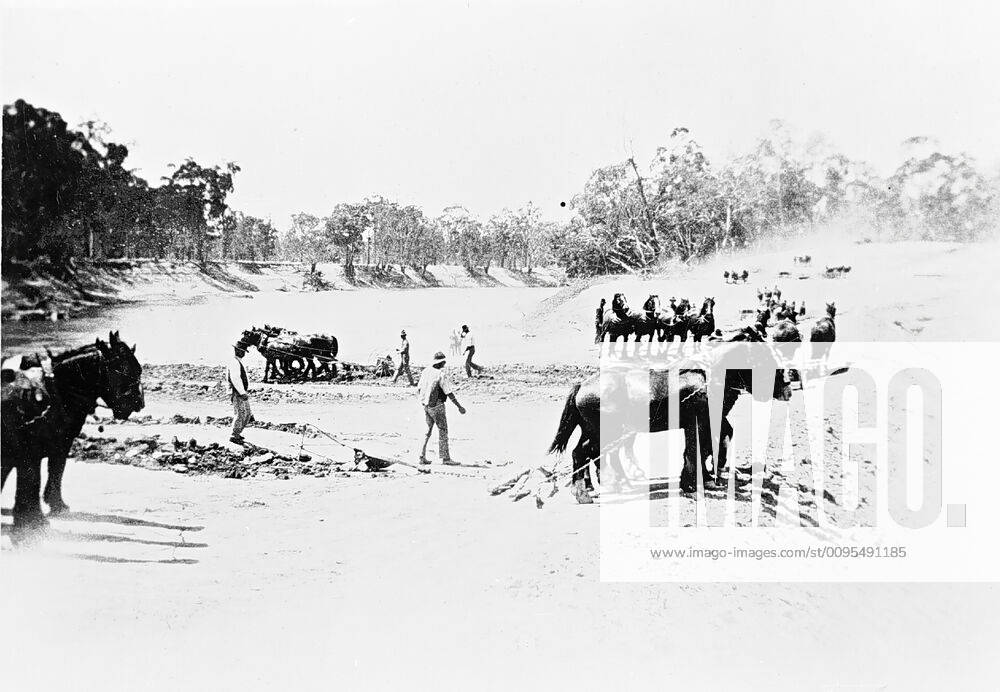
{"x": 464, "y": 235}
{"x": 60, "y": 187}
{"x": 941, "y": 196}
{"x": 306, "y": 239}
{"x": 345, "y": 228}
{"x": 201, "y": 203}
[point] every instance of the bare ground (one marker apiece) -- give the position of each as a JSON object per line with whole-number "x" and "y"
{"x": 187, "y": 577}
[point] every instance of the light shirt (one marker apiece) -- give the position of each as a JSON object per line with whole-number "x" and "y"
{"x": 467, "y": 341}
{"x": 404, "y": 351}
{"x": 237, "y": 376}
{"x": 433, "y": 387}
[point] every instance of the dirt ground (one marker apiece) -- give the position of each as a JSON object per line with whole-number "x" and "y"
{"x": 165, "y": 576}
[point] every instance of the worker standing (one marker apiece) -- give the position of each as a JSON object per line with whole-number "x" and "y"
{"x": 434, "y": 388}
{"x": 239, "y": 393}
{"x": 469, "y": 349}
{"x": 404, "y": 359}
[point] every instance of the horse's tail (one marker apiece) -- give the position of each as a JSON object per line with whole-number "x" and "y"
{"x": 567, "y": 423}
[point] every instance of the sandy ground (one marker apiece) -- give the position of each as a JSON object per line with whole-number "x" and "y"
{"x": 162, "y": 579}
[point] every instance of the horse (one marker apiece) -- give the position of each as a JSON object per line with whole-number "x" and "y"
{"x": 587, "y": 403}
{"x": 618, "y": 321}
{"x": 745, "y": 275}
{"x": 647, "y": 323}
{"x": 259, "y": 339}
{"x": 824, "y": 333}
{"x": 42, "y": 417}
{"x": 786, "y": 331}
{"x": 704, "y": 324}
{"x": 296, "y": 354}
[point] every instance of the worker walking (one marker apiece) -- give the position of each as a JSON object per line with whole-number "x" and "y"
{"x": 469, "y": 349}
{"x": 433, "y": 390}
{"x": 239, "y": 393}
{"x": 404, "y": 359}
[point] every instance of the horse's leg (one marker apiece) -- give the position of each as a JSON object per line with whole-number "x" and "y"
{"x": 53, "y": 486}
{"x": 725, "y": 440}
{"x": 708, "y": 467}
{"x": 633, "y": 461}
{"x": 6, "y": 466}
{"x": 581, "y": 470}
{"x": 689, "y": 477}
{"x": 27, "y": 505}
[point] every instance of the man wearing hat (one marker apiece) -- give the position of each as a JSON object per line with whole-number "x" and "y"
{"x": 239, "y": 393}
{"x": 433, "y": 389}
{"x": 404, "y": 360}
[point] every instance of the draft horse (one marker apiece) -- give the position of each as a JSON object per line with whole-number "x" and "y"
{"x": 42, "y": 417}
{"x": 585, "y": 406}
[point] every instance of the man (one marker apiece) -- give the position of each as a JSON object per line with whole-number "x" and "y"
{"x": 404, "y": 360}
{"x": 433, "y": 389}
{"x": 469, "y": 349}
{"x": 239, "y": 394}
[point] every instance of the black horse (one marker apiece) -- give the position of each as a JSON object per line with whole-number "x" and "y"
{"x": 824, "y": 333}
{"x": 703, "y": 324}
{"x": 291, "y": 356}
{"x": 42, "y": 417}
{"x": 585, "y": 406}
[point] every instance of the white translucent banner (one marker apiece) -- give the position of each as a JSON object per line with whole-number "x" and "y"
{"x": 881, "y": 466}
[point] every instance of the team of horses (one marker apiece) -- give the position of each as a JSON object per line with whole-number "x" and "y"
{"x": 293, "y": 357}
{"x": 676, "y": 321}
{"x": 776, "y": 321}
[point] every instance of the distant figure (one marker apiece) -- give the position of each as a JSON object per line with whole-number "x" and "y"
{"x": 239, "y": 393}
{"x": 469, "y": 349}
{"x": 456, "y": 342}
{"x": 404, "y": 360}
{"x": 745, "y": 275}
{"x": 434, "y": 389}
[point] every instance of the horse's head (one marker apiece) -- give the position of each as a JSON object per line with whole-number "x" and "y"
{"x": 122, "y": 387}
{"x": 708, "y": 306}
{"x": 619, "y": 304}
{"x": 758, "y": 358}
{"x": 831, "y": 310}
{"x": 251, "y": 337}
{"x": 652, "y": 303}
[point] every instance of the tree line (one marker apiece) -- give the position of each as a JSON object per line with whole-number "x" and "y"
{"x": 381, "y": 233}
{"x": 67, "y": 192}
{"x": 681, "y": 206}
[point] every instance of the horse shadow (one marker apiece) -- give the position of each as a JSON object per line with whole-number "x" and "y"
{"x": 662, "y": 489}
{"x": 114, "y": 519}
{"x": 53, "y": 532}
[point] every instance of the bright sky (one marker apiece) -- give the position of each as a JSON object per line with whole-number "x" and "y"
{"x": 495, "y": 104}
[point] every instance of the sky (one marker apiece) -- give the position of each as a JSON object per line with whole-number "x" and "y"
{"x": 495, "y": 104}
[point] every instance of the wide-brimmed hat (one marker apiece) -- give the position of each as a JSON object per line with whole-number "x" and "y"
{"x": 439, "y": 358}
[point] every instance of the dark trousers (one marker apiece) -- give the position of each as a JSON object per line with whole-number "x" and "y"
{"x": 404, "y": 366}
{"x": 469, "y": 365}
{"x": 436, "y": 416}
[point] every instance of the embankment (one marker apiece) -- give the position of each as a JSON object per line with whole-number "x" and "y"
{"x": 33, "y": 293}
